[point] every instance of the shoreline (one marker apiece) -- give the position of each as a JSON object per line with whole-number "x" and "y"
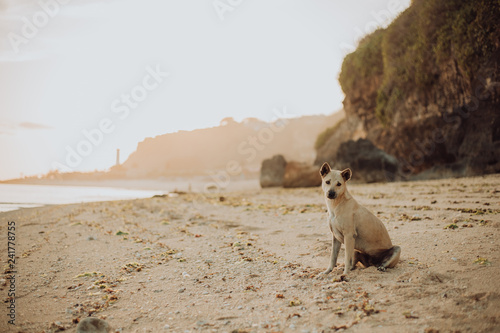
{"x": 194, "y": 184}
{"x": 18, "y": 196}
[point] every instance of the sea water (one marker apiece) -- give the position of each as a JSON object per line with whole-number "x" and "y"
{"x": 16, "y": 196}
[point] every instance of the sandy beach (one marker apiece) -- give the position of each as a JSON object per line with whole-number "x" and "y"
{"x": 249, "y": 261}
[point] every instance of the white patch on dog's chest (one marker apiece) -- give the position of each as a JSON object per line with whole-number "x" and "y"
{"x": 336, "y": 229}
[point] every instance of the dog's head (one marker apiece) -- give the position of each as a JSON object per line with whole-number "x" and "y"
{"x": 334, "y": 181}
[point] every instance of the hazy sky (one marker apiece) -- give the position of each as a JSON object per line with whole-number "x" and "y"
{"x": 85, "y": 77}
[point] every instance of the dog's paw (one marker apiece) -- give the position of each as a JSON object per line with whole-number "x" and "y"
{"x": 381, "y": 268}
{"x": 323, "y": 275}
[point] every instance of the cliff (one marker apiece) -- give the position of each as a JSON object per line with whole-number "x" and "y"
{"x": 237, "y": 147}
{"x": 426, "y": 90}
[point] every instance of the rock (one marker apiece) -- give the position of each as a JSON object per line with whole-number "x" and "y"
{"x": 272, "y": 171}
{"x": 299, "y": 174}
{"x": 93, "y": 325}
{"x": 368, "y": 163}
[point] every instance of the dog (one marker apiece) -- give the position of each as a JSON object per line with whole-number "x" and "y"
{"x": 365, "y": 237}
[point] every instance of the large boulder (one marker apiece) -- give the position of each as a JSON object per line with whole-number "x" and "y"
{"x": 272, "y": 171}
{"x": 368, "y": 163}
{"x": 299, "y": 174}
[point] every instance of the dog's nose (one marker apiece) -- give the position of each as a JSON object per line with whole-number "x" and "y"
{"x": 332, "y": 194}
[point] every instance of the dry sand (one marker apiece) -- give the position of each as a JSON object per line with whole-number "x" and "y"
{"x": 249, "y": 262}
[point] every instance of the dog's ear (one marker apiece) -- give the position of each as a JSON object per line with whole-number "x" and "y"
{"x": 325, "y": 169}
{"x": 346, "y": 174}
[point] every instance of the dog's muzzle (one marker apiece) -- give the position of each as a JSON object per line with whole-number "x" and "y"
{"x": 331, "y": 194}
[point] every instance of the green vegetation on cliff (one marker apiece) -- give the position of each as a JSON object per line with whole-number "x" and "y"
{"x": 408, "y": 54}
{"x": 365, "y": 62}
{"x": 326, "y": 134}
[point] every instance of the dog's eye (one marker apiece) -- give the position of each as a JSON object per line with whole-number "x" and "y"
{"x": 338, "y": 184}
{"x": 327, "y": 182}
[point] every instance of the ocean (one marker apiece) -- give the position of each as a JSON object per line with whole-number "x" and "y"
{"x": 16, "y": 196}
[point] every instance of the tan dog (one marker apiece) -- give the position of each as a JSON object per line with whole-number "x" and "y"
{"x": 364, "y": 235}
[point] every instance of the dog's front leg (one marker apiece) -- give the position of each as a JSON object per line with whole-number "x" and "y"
{"x": 349, "y": 252}
{"x": 335, "y": 253}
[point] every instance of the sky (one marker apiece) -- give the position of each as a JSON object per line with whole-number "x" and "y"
{"x": 82, "y": 78}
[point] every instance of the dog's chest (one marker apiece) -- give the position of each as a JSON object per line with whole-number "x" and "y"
{"x": 336, "y": 228}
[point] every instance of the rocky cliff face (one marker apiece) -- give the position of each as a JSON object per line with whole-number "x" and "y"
{"x": 435, "y": 102}
{"x": 455, "y": 123}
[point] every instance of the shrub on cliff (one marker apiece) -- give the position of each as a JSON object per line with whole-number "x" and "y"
{"x": 364, "y": 63}
{"x": 326, "y": 134}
